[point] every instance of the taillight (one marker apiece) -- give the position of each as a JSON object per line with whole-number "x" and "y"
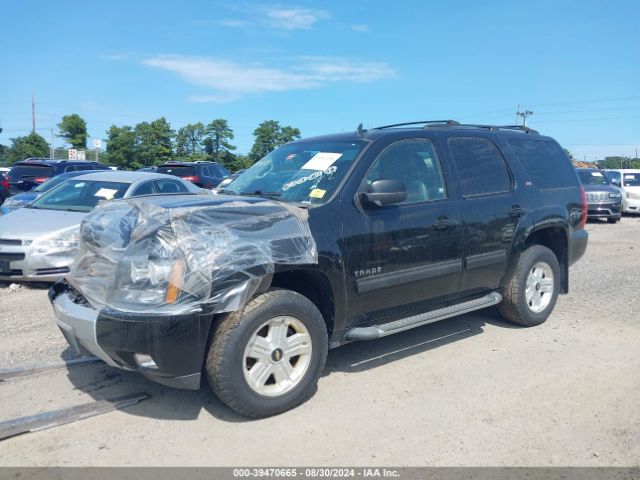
{"x": 191, "y": 178}
{"x": 4, "y": 180}
{"x": 40, "y": 179}
{"x": 583, "y": 217}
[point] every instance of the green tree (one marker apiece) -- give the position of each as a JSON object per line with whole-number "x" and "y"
{"x": 218, "y": 134}
{"x": 121, "y": 142}
{"x": 189, "y": 140}
{"x": 269, "y": 135}
{"x": 154, "y": 142}
{"x": 28, "y": 146}
{"x": 73, "y": 129}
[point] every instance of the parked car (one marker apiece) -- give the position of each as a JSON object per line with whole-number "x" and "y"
{"x": 152, "y": 168}
{"x": 603, "y": 199}
{"x": 22, "y": 199}
{"x": 203, "y": 174}
{"x": 32, "y": 172}
{"x": 628, "y": 181}
{"x": 38, "y": 241}
{"x": 229, "y": 179}
{"x": 325, "y": 241}
{"x": 4, "y": 188}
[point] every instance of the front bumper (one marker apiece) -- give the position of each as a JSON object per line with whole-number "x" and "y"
{"x": 630, "y": 205}
{"x": 175, "y": 344}
{"x": 604, "y": 210}
{"x": 14, "y": 266}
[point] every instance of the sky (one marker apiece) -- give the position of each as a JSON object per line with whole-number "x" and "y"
{"x": 327, "y": 66}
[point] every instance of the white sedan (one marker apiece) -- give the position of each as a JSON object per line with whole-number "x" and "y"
{"x": 38, "y": 242}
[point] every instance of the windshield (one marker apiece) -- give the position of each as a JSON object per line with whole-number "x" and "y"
{"x": 79, "y": 195}
{"x": 631, "y": 179}
{"x": 300, "y": 172}
{"x": 592, "y": 177}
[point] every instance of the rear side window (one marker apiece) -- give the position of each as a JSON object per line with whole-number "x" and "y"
{"x": 30, "y": 171}
{"x": 177, "y": 170}
{"x": 169, "y": 186}
{"x": 547, "y": 164}
{"x": 481, "y": 168}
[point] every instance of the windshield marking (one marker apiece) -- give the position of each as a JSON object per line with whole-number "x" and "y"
{"x": 315, "y": 175}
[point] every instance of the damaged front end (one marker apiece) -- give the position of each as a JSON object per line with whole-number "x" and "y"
{"x": 150, "y": 274}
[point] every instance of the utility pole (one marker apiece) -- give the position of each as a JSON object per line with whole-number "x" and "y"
{"x": 524, "y": 115}
{"x": 53, "y": 147}
{"x": 517, "y": 113}
{"x": 33, "y": 114}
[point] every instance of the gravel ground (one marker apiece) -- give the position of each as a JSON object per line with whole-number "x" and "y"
{"x": 468, "y": 391}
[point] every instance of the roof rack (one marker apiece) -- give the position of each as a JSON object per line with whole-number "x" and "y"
{"x": 422, "y": 122}
{"x": 521, "y": 128}
{"x": 453, "y": 123}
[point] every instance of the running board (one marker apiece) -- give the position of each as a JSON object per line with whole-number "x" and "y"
{"x": 377, "y": 331}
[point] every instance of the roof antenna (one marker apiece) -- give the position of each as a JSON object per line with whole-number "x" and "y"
{"x": 360, "y": 131}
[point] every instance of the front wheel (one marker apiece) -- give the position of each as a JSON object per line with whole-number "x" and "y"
{"x": 532, "y": 291}
{"x": 613, "y": 220}
{"x": 267, "y": 358}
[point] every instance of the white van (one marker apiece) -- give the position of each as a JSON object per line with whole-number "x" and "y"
{"x": 628, "y": 181}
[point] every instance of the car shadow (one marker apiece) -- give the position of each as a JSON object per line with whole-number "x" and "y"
{"x": 100, "y": 381}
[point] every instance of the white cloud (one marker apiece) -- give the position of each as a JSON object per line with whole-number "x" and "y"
{"x": 292, "y": 18}
{"x": 278, "y": 17}
{"x": 360, "y": 28}
{"x": 232, "y": 23}
{"x": 232, "y": 80}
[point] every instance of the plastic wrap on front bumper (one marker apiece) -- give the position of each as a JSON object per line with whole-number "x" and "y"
{"x": 173, "y": 346}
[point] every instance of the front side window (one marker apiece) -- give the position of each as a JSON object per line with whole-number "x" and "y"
{"x": 79, "y": 195}
{"x": 301, "y": 172}
{"x": 415, "y": 164}
{"x": 481, "y": 168}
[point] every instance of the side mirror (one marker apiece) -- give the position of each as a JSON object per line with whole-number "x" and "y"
{"x": 385, "y": 192}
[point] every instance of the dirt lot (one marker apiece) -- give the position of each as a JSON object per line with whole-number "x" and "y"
{"x": 468, "y": 391}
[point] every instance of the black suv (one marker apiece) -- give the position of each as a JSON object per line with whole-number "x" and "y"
{"x": 325, "y": 241}
{"x": 603, "y": 199}
{"x": 203, "y": 174}
{"x": 31, "y": 172}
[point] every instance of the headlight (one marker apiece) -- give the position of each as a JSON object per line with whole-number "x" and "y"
{"x": 154, "y": 276}
{"x": 614, "y": 195}
{"x": 633, "y": 196}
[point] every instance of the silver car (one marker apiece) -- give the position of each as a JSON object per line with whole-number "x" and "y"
{"x": 38, "y": 242}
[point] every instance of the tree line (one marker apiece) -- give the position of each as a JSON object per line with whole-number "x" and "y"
{"x": 152, "y": 143}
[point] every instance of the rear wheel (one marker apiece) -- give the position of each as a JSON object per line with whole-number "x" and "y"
{"x": 267, "y": 358}
{"x": 532, "y": 292}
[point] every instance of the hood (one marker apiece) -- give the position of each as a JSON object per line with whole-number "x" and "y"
{"x": 27, "y": 197}
{"x": 215, "y": 250}
{"x": 601, "y": 188}
{"x": 31, "y": 223}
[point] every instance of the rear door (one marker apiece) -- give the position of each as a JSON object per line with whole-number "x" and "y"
{"x": 404, "y": 257}
{"x": 490, "y": 211}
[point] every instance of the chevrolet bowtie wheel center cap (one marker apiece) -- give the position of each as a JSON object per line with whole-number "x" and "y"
{"x": 277, "y": 355}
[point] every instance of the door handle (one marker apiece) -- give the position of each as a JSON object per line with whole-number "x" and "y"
{"x": 443, "y": 223}
{"x": 516, "y": 211}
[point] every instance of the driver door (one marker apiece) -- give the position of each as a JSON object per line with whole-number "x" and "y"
{"x": 405, "y": 257}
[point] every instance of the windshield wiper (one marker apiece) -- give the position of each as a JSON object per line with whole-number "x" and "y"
{"x": 260, "y": 193}
{"x": 227, "y": 191}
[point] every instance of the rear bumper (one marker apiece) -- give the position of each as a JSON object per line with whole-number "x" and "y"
{"x": 166, "y": 349}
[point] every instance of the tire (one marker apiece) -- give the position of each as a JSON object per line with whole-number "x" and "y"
{"x": 613, "y": 220}
{"x": 279, "y": 382}
{"x": 515, "y": 306}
